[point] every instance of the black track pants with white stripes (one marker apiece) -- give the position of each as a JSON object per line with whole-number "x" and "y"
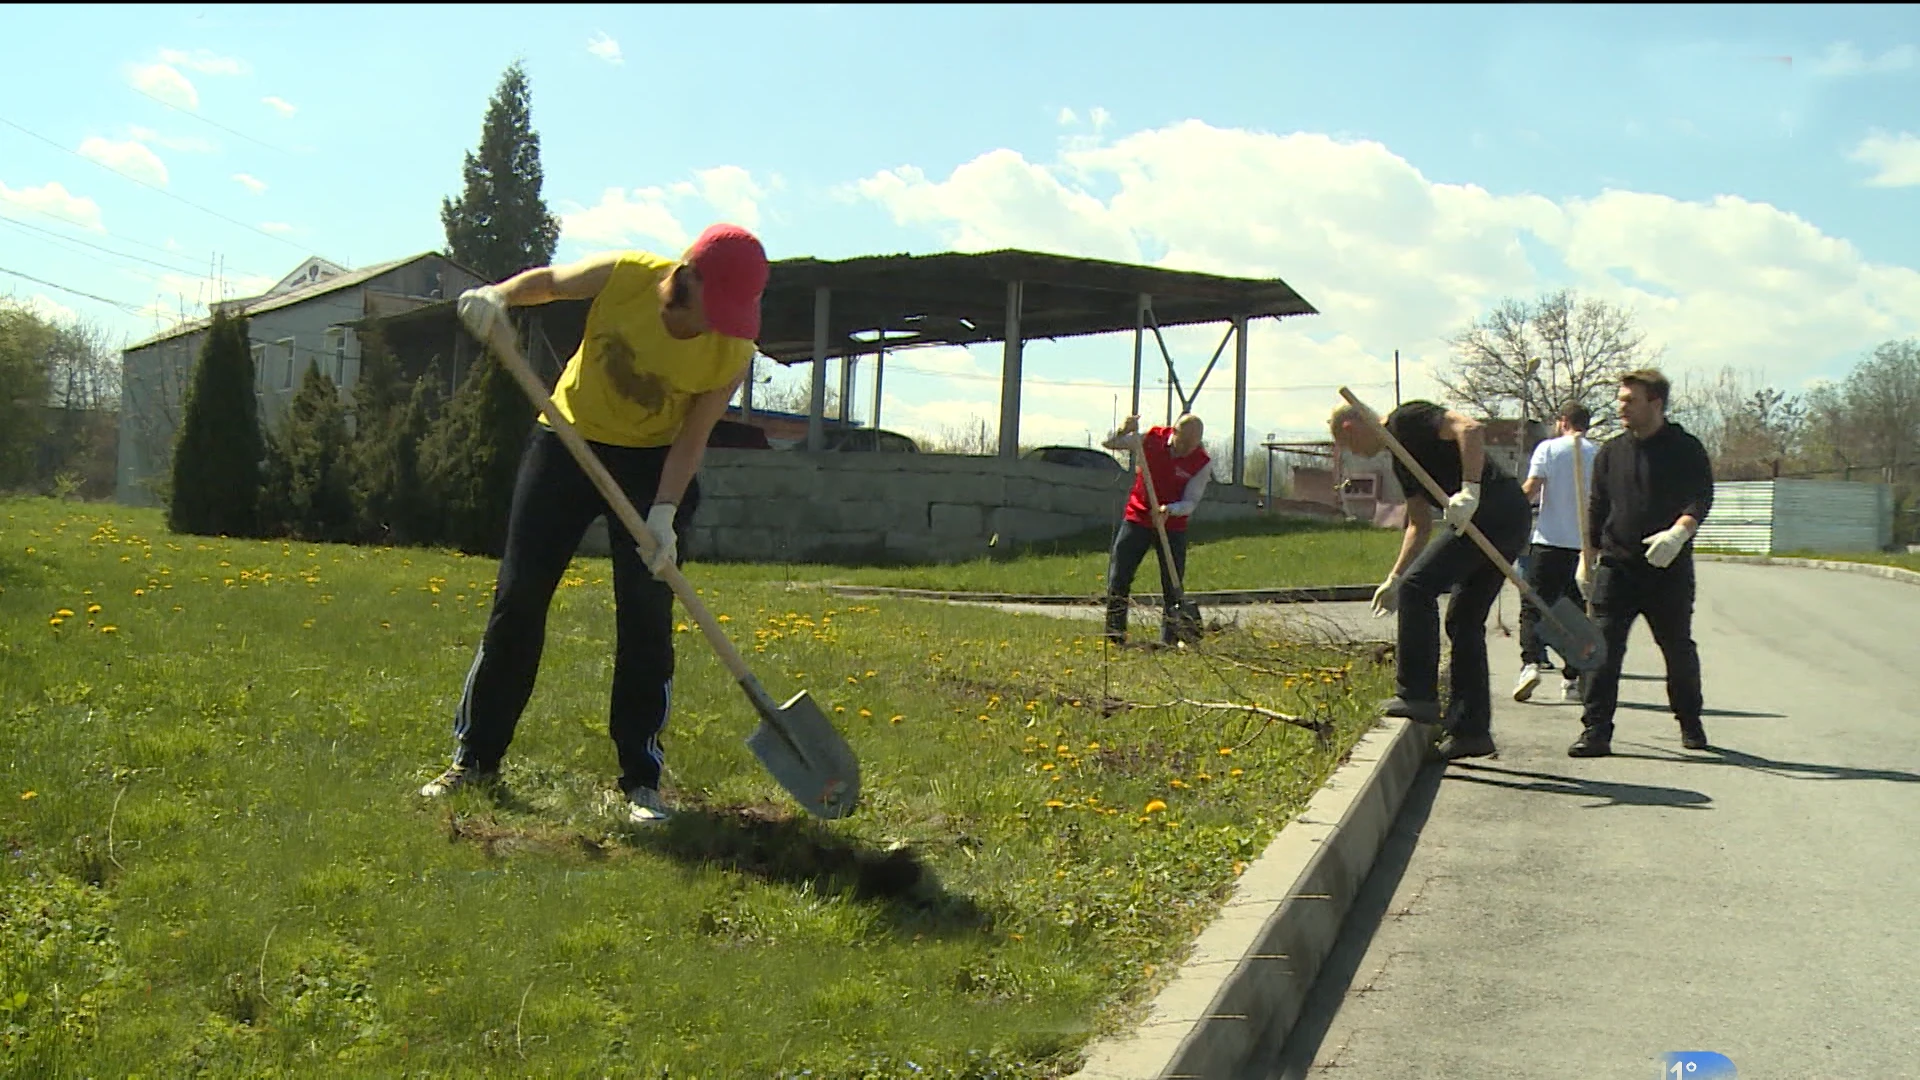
{"x": 553, "y": 504}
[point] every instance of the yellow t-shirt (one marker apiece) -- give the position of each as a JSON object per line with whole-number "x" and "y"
{"x": 630, "y": 382}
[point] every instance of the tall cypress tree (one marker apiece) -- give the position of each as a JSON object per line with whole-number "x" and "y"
{"x": 499, "y": 225}
{"x": 216, "y": 456}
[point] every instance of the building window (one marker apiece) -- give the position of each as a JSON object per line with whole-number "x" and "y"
{"x": 259, "y": 367}
{"x": 286, "y": 350}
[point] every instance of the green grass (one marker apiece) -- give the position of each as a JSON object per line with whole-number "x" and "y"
{"x": 1905, "y": 560}
{"x": 212, "y": 859}
{"x": 1255, "y": 554}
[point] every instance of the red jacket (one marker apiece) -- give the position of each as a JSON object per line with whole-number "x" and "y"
{"x": 1170, "y": 476}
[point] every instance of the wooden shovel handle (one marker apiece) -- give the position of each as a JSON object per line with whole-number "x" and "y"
{"x": 590, "y": 463}
{"x": 1440, "y": 497}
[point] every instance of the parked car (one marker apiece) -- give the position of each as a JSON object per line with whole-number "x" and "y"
{"x": 1083, "y": 457}
{"x": 864, "y": 440}
{"x": 734, "y": 435}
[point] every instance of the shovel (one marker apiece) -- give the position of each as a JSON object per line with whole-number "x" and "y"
{"x": 1188, "y": 612}
{"x": 1562, "y": 625}
{"x": 795, "y": 741}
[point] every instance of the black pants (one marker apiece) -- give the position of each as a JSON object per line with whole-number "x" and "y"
{"x": 1624, "y": 589}
{"x": 553, "y": 504}
{"x": 1550, "y": 572}
{"x": 1130, "y": 546}
{"x": 1454, "y": 565}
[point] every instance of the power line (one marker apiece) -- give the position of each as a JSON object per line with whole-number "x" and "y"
{"x": 215, "y": 123}
{"x": 125, "y": 239}
{"x": 896, "y": 367}
{"x": 75, "y": 240}
{"x": 128, "y": 308}
{"x": 151, "y": 187}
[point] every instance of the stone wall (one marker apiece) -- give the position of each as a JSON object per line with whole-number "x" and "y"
{"x": 793, "y": 506}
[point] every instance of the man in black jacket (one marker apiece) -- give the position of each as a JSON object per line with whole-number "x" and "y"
{"x": 1652, "y": 487}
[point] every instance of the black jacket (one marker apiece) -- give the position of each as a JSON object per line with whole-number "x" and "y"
{"x": 1642, "y": 486}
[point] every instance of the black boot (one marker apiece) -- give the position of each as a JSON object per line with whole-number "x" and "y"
{"x": 1593, "y": 742}
{"x": 1692, "y": 735}
{"x": 1455, "y": 747}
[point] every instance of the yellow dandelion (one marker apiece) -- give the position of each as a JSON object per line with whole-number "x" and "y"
{"x": 1054, "y": 804}
{"x": 723, "y": 618}
{"x": 139, "y": 592}
{"x": 895, "y": 718}
{"x": 868, "y": 675}
{"x": 93, "y": 609}
{"x": 385, "y": 625}
{"x": 1239, "y": 867}
{"x": 1176, "y": 782}
{"x": 1154, "y": 806}
{"x": 25, "y": 795}
{"x": 853, "y": 679}
{"x": 679, "y": 628}
{"x": 1047, "y": 767}
{"x": 65, "y": 613}
{"x": 55, "y": 622}
{"x": 1235, "y": 772}
{"x": 1204, "y": 777}
{"x": 1226, "y": 751}
{"x": 109, "y": 629}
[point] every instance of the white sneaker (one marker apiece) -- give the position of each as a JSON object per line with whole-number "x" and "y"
{"x": 1570, "y": 690}
{"x": 1529, "y": 678}
{"x": 645, "y": 807}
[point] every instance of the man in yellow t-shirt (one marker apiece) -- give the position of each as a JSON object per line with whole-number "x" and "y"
{"x": 667, "y": 344}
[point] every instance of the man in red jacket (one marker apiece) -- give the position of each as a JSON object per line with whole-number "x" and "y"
{"x": 1180, "y": 468}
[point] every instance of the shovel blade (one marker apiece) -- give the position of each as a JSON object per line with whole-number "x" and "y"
{"x": 1568, "y": 631}
{"x": 800, "y": 748}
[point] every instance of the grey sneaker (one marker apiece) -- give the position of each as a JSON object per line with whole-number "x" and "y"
{"x": 459, "y": 776}
{"x": 1570, "y": 690}
{"x": 645, "y": 807}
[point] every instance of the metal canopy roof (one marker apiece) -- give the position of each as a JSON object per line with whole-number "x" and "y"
{"x": 953, "y": 298}
{"x": 961, "y": 299}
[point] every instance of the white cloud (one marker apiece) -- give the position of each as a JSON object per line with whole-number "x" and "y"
{"x": 732, "y": 193}
{"x": 1896, "y": 157}
{"x": 1844, "y": 58}
{"x": 127, "y": 158}
{"x": 1396, "y": 260}
{"x": 186, "y": 144}
{"x": 1101, "y": 118}
{"x": 622, "y": 217}
{"x": 279, "y": 105}
{"x": 204, "y": 62}
{"x": 251, "y": 183}
{"x": 165, "y": 82}
{"x": 53, "y": 199}
{"x": 1067, "y": 116}
{"x": 48, "y": 308}
{"x": 604, "y": 47}
{"x": 278, "y": 228}
{"x": 656, "y": 214}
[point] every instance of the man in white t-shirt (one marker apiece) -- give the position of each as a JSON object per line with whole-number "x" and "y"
{"x": 1555, "y": 553}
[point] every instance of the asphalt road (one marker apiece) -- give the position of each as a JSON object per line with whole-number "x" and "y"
{"x": 1535, "y": 915}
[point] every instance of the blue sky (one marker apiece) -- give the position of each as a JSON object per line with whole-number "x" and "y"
{"x": 1747, "y": 178}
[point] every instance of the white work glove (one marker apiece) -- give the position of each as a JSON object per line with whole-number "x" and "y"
{"x": 483, "y": 310}
{"x": 1386, "y": 598}
{"x": 1460, "y": 508}
{"x": 666, "y": 543}
{"x": 1665, "y": 546}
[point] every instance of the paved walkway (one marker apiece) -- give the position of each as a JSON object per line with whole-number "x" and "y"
{"x": 1536, "y": 916}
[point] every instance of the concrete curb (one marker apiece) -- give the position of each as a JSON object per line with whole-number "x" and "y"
{"x": 1891, "y": 573}
{"x": 1312, "y": 594}
{"x": 1248, "y": 976}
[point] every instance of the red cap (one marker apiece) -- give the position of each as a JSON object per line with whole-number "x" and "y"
{"x": 733, "y": 274}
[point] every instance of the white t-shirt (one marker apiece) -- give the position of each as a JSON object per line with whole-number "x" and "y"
{"x": 1559, "y": 521}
